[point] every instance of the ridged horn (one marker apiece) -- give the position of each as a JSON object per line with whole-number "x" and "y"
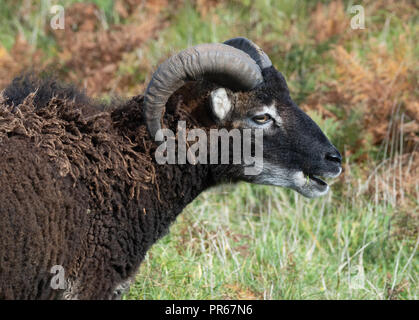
{"x": 252, "y": 50}
{"x": 220, "y": 63}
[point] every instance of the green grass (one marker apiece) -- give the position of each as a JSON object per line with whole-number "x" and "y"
{"x": 269, "y": 243}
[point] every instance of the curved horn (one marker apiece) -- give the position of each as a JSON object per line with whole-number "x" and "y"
{"x": 252, "y": 50}
{"x": 218, "y": 62}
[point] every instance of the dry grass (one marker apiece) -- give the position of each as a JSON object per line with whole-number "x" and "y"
{"x": 92, "y": 50}
{"x": 379, "y": 85}
{"x": 329, "y": 20}
{"x": 21, "y": 58}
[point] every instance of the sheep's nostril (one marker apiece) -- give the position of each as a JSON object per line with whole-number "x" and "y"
{"x": 336, "y": 157}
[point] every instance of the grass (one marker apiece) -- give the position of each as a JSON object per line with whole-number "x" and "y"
{"x": 257, "y": 242}
{"x": 254, "y": 242}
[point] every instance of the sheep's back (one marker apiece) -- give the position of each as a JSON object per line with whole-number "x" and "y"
{"x": 38, "y": 216}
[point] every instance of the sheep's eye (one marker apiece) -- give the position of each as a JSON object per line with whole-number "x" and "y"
{"x": 262, "y": 119}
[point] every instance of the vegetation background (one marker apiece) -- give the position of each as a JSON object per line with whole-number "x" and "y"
{"x": 256, "y": 242}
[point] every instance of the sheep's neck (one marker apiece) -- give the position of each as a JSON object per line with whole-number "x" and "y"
{"x": 177, "y": 186}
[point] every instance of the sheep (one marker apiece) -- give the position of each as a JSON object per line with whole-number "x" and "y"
{"x": 80, "y": 186}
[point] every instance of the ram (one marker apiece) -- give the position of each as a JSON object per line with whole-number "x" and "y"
{"x": 82, "y": 193}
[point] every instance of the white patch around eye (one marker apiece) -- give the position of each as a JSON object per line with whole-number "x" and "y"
{"x": 271, "y": 110}
{"x": 220, "y": 102}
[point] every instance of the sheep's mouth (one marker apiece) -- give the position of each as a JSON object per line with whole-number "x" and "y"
{"x": 317, "y": 181}
{"x": 313, "y": 186}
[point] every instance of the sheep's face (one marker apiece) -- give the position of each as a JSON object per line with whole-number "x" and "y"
{"x": 295, "y": 150}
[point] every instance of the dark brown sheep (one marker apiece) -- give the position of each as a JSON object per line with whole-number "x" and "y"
{"x": 81, "y": 189}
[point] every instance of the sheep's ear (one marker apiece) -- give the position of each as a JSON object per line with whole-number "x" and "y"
{"x": 220, "y": 103}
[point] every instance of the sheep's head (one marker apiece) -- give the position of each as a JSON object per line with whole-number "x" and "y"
{"x": 251, "y": 94}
